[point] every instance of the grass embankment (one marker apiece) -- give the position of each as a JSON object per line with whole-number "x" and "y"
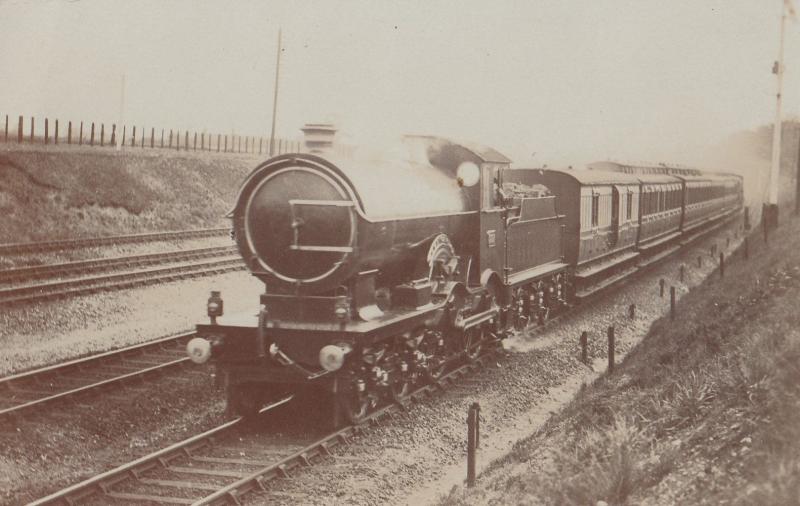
{"x": 48, "y": 194}
{"x": 705, "y": 410}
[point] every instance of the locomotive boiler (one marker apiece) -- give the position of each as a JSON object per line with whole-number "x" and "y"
{"x": 378, "y": 273}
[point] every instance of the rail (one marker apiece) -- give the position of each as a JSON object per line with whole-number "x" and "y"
{"x": 25, "y": 392}
{"x": 88, "y": 242}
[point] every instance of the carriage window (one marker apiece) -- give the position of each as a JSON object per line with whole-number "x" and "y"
{"x": 629, "y": 206}
{"x": 595, "y": 209}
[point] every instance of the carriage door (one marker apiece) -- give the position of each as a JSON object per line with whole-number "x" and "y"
{"x": 614, "y": 215}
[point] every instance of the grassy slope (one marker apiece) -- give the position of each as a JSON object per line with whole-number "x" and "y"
{"x": 54, "y": 194}
{"x": 704, "y": 411}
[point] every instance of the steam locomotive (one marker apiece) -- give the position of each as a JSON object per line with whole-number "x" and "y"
{"x": 380, "y": 273}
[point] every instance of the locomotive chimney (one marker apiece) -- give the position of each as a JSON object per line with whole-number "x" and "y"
{"x": 319, "y": 137}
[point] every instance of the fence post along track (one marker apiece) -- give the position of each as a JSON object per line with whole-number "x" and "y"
{"x": 672, "y": 303}
{"x": 584, "y": 342}
{"x": 473, "y": 441}
{"x": 611, "y": 346}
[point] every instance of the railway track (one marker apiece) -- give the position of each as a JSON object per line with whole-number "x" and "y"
{"x": 30, "y": 391}
{"x": 88, "y": 242}
{"x": 221, "y": 465}
{"x": 83, "y": 267}
{"x": 116, "y": 281}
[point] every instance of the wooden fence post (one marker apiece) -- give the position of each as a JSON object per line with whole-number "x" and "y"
{"x": 473, "y": 438}
{"x": 69, "y": 132}
{"x": 102, "y": 134}
{"x": 611, "y": 349}
{"x": 218, "y": 136}
{"x": 6, "y": 134}
{"x": 124, "y": 133}
{"x": 178, "y": 140}
{"x": 91, "y": 135}
{"x": 260, "y": 144}
{"x": 152, "y": 138}
{"x": 46, "y": 131}
{"x": 186, "y": 143}
{"x": 162, "y": 137}
{"x": 225, "y": 150}
{"x": 170, "y": 139}
{"x": 31, "y": 129}
{"x": 113, "y": 140}
{"x": 55, "y": 137}
{"x": 19, "y": 130}
{"x": 672, "y": 303}
{"x": 133, "y": 137}
{"x": 584, "y": 340}
{"x": 143, "y": 136}
{"x": 195, "y": 142}
{"x": 80, "y": 135}
{"x": 203, "y": 141}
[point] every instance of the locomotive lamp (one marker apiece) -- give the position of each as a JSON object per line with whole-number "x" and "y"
{"x": 468, "y": 174}
{"x": 341, "y": 309}
{"x": 214, "y": 306}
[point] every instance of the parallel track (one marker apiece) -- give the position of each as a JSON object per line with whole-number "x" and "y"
{"x": 84, "y": 267}
{"x": 117, "y": 281}
{"x": 224, "y": 462}
{"x": 30, "y": 391}
{"x": 88, "y": 242}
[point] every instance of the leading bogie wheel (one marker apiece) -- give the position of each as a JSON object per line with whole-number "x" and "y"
{"x": 355, "y": 402}
{"x": 472, "y": 342}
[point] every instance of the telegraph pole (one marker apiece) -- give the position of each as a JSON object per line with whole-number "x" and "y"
{"x": 275, "y": 98}
{"x": 770, "y": 217}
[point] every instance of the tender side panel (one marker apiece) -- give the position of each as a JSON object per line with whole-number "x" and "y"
{"x": 535, "y": 239}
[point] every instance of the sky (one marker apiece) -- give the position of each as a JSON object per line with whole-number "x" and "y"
{"x": 561, "y": 82}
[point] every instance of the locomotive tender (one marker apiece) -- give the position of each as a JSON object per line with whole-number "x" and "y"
{"x": 378, "y": 274}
